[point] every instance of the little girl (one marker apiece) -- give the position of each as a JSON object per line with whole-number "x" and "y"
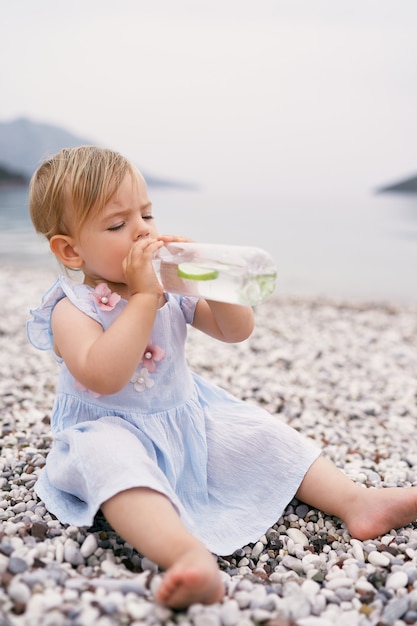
{"x": 180, "y": 468}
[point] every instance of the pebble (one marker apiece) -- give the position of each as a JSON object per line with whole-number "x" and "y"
{"x": 395, "y": 610}
{"x": 297, "y": 536}
{"x": 17, "y": 565}
{"x": 339, "y": 581}
{"x": 138, "y": 610}
{"x": 207, "y": 618}
{"x": 378, "y": 559}
{"x": 397, "y": 580}
{"x": 230, "y": 612}
{"x": 357, "y": 550}
{"x": 72, "y": 553}
{"x": 293, "y": 564}
{"x": 310, "y": 588}
{"x": 4, "y": 562}
{"x": 344, "y": 374}
{"x": 89, "y": 546}
{"x": 19, "y": 592}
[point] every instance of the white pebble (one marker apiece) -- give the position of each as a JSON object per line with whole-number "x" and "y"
{"x": 339, "y": 581}
{"x": 72, "y": 552}
{"x": 11, "y": 529}
{"x": 36, "y": 605}
{"x": 230, "y": 613}
{"x": 297, "y": 536}
{"x": 19, "y": 592}
{"x": 357, "y": 550}
{"x": 110, "y": 569}
{"x": 89, "y": 545}
{"x": 242, "y": 597}
{"x": 378, "y": 559}
{"x": 207, "y": 618}
{"x": 138, "y": 610}
{"x": 59, "y": 552}
{"x": 363, "y": 585}
{"x": 257, "y": 549}
{"x": 260, "y": 615}
{"x": 397, "y": 580}
{"x": 310, "y": 588}
{"x": 161, "y": 614}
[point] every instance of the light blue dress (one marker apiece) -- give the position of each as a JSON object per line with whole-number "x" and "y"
{"x": 229, "y": 468}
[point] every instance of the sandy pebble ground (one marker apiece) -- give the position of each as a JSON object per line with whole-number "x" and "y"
{"x": 344, "y": 374}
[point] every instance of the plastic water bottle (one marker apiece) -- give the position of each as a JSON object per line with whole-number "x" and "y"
{"x": 235, "y": 274}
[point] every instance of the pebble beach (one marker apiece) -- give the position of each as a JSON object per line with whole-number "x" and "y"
{"x": 342, "y": 373}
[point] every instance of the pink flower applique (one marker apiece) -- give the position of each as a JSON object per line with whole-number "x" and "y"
{"x": 151, "y": 356}
{"x": 105, "y": 299}
{"x": 82, "y": 387}
{"x": 141, "y": 380}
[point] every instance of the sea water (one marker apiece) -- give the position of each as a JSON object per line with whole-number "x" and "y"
{"x": 355, "y": 244}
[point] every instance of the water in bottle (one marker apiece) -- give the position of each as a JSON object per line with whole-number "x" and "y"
{"x": 235, "y": 274}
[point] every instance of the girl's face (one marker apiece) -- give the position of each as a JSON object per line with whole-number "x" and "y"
{"x": 105, "y": 240}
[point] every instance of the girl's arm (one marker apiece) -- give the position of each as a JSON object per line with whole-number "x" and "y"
{"x": 104, "y": 361}
{"x": 227, "y": 322}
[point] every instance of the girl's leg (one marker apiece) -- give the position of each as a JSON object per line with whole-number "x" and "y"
{"x": 367, "y": 513}
{"x": 148, "y": 521}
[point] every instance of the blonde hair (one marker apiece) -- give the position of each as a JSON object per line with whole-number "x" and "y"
{"x": 74, "y": 185}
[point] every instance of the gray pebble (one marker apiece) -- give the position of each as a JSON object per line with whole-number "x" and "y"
{"x": 395, "y": 610}
{"x": 16, "y": 565}
{"x": 292, "y": 563}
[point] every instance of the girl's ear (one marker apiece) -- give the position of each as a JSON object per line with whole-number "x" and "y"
{"x": 64, "y": 249}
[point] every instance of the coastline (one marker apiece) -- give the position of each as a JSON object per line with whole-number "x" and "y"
{"x": 342, "y": 372}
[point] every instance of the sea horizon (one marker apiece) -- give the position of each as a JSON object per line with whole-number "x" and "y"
{"x": 358, "y": 245}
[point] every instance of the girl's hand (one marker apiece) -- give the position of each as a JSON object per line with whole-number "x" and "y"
{"x": 138, "y": 269}
{"x": 173, "y": 238}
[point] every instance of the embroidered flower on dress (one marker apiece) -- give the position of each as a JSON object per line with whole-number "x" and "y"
{"x": 151, "y": 356}
{"x": 141, "y": 380}
{"x": 105, "y": 299}
{"x": 82, "y": 387}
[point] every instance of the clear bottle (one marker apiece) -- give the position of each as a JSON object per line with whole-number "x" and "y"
{"x": 235, "y": 274}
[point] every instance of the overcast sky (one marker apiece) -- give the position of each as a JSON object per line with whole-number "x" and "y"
{"x": 224, "y": 93}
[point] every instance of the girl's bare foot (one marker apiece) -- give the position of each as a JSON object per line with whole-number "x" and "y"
{"x": 374, "y": 512}
{"x": 367, "y": 513}
{"x": 195, "y": 577}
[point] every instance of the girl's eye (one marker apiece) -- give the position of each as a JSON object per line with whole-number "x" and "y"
{"x": 117, "y": 227}
{"x": 147, "y": 217}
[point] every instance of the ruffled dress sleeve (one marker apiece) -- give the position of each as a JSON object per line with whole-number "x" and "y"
{"x": 187, "y": 306}
{"x": 38, "y": 329}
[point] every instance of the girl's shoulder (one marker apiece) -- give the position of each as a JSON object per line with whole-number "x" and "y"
{"x": 39, "y": 327}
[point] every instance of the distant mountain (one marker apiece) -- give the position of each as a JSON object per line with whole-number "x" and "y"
{"x": 11, "y": 178}
{"x": 408, "y": 185}
{"x": 25, "y": 143}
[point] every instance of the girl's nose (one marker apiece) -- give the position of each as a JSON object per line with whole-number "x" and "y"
{"x": 141, "y": 228}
